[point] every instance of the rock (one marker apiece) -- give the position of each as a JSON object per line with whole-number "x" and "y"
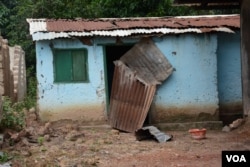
{"x": 25, "y": 142}
{"x": 235, "y": 124}
{"x": 47, "y": 125}
{"x": 69, "y": 127}
{"x": 17, "y": 136}
{"x": 31, "y": 130}
{"x": 31, "y": 116}
{"x": 24, "y": 133}
{"x": 47, "y": 138}
{"x": 115, "y": 131}
{"x": 44, "y": 130}
{"x": 32, "y": 109}
{"x": 26, "y": 153}
{"x": 226, "y": 129}
{"x": 74, "y": 135}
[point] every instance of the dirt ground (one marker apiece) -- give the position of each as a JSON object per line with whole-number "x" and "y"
{"x": 68, "y": 144}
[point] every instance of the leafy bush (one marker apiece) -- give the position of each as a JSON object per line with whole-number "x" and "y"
{"x": 4, "y": 157}
{"x": 12, "y": 114}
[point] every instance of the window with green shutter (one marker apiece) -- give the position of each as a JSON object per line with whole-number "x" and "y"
{"x": 70, "y": 65}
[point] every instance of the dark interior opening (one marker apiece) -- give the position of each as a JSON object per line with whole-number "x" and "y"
{"x": 113, "y": 53}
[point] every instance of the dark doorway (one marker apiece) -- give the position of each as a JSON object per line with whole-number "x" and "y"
{"x": 113, "y": 52}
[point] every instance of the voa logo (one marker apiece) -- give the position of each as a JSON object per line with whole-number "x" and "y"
{"x": 236, "y": 158}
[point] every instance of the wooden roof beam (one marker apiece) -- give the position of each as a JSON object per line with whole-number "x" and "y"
{"x": 209, "y": 4}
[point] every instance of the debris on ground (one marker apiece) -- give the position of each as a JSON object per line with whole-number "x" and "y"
{"x": 235, "y": 124}
{"x": 151, "y": 132}
{"x": 115, "y": 131}
{"x": 74, "y": 135}
{"x": 69, "y": 143}
{"x": 226, "y": 129}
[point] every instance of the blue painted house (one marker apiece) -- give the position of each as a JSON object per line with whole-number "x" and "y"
{"x": 75, "y": 66}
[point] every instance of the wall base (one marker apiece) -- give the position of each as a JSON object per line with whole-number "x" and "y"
{"x": 210, "y": 125}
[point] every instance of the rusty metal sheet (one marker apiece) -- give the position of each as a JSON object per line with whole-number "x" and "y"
{"x": 63, "y": 25}
{"x": 130, "y": 100}
{"x": 134, "y": 84}
{"x": 148, "y": 62}
{"x": 57, "y": 28}
{"x": 78, "y": 25}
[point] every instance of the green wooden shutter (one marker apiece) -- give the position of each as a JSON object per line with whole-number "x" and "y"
{"x": 79, "y": 65}
{"x": 63, "y": 66}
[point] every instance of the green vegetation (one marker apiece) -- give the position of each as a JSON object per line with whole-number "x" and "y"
{"x": 13, "y": 115}
{"x": 40, "y": 140}
{"x": 30, "y": 99}
{"x": 4, "y": 157}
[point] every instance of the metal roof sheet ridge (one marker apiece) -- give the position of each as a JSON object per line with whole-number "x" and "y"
{"x": 130, "y": 18}
{"x": 37, "y": 25}
{"x": 207, "y": 16}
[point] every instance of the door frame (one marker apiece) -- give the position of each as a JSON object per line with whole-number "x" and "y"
{"x": 127, "y": 47}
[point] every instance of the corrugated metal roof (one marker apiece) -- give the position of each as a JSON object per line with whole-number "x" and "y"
{"x": 42, "y": 29}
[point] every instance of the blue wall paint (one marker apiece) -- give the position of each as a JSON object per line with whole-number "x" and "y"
{"x": 192, "y": 88}
{"x": 229, "y": 69}
{"x": 78, "y": 98}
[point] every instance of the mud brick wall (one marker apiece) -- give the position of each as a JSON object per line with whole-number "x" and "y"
{"x": 18, "y": 70}
{"x": 12, "y": 71}
{"x": 5, "y": 85}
